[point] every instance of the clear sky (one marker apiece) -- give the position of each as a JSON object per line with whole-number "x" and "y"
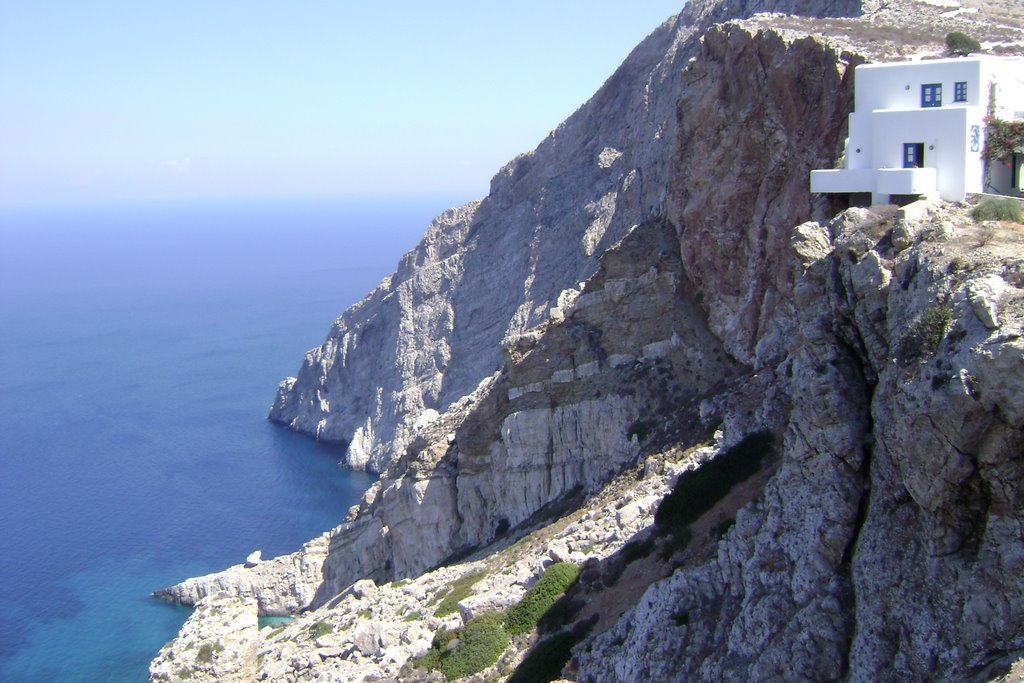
{"x": 104, "y": 101}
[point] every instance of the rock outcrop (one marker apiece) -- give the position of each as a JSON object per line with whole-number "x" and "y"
{"x": 888, "y": 546}
{"x": 657, "y": 272}
{"x": 280, "y": 586}
{"x": 882, "y": 543}
{"x": 216, "y": 645}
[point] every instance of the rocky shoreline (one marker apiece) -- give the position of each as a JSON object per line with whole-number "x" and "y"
{"x": 374, "y": 632}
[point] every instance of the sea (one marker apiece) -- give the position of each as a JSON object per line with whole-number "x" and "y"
{"x": 140, "y": 349}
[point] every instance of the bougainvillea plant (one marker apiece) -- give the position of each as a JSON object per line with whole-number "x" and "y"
{"x": 1002, "y": 138}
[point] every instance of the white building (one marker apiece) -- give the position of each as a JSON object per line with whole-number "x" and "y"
{"x": 917, "y": 128}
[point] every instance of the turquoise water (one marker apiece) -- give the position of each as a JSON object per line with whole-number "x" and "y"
{"x": 140, "y": 349}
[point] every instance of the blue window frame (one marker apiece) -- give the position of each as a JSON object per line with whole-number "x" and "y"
{"x": 913, "y": 155}
{"x": 931, "y": 95}
{"x": 960, "y": 91}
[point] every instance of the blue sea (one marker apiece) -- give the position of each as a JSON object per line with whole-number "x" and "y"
{"x": 140, "y": 349}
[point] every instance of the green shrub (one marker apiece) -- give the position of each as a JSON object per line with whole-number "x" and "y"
{"x": 925, "y": 335}
{"x": 544, "y": 663}
{"x": 321, "y": 628}
{"x": 934, "y": 324}
{"x": 458, "y": 590}
{"x": 524, "y": 615}
{"x": 480, "y": 643}
{"x": 205, "y": 653}
{"x": 431, "y": 660}
{"x": 998, "y": 210}
{"x": 184, "y": 673}
{"x": 697, "y": 491}
{"x": 959, "y": 43}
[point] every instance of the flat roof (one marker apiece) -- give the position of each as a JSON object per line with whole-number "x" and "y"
{"x": 976, "y": 57}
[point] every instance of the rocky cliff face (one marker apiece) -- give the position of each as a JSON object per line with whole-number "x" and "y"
{"x": 887, "y": 546}
{"x": 491, "y": 269}
{"x": 556, "y": 415}
{"x": 433, "y": 330}
{"x": 659, "y": 277}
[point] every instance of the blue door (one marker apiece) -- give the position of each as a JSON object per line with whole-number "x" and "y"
{"x": 931, "y": 95}
{"x": 913, "y": 155}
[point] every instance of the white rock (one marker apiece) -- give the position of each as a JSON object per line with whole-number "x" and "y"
{"x": 363, "y": 589}
{"x": 558, "y": 551}
{"x": 984, "y": 294}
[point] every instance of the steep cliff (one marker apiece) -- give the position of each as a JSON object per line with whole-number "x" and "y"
{"x": 887, "y": 546}
{"x": 433, "y": 330}
{"x": 569, "y": 397}
{"x": 655, "y": 271}
{"x": 491, "y": 269}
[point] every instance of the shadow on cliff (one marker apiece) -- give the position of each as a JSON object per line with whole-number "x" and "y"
{"x": 689, "y": 522}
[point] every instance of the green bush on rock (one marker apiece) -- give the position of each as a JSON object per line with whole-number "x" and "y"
{"x": 998, "y": 210}
{"x": 321, "y": 628}
{"x": 961, "y": 44}
{"x": 478, "y": 645}
{"x": 523, "y": 616}
{"x": 458, "y": 591}
{"x": 926, "y": 334}
{"x": 205, "y": 654}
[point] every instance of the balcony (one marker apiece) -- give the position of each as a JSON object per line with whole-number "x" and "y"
{"x": 905, "y": 181}
{"x": 843, "y": 180}
{"x": 882, "y": 181}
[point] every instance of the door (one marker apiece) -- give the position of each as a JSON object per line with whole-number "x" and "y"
{"x": 913, "y": 155}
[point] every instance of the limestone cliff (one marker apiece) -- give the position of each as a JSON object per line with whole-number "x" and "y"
{"x": 491, "y": 269}
{"x": 656, "y": 271}
{"x": 568, "y": 399}
{"x": 432, "y": 331}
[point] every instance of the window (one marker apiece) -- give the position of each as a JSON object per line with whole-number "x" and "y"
{"x": 913, "y": 154}
{"x": 931, "y": 95}
{"x": 960, "y": 91}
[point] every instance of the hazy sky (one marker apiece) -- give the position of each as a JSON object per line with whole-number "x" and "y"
{"x": 149, "y": 99}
